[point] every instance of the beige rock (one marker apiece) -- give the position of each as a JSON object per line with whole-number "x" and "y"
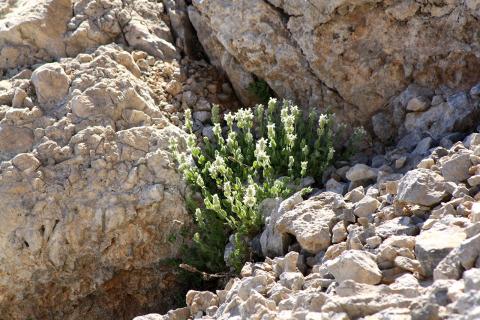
{"x": 366, "y": 207}
{"x": 51, "y": 84}
{"x": 422, "y": 187}
{"x": 361, "y": 172}
{"x": 200, "y": 300}
{"x": 86, "y": 197}
{"x": 433, "y": 245}
{"x": 325, "y": 35}
{"x": 311, "y": 221}
{"x": 359, "y": 266}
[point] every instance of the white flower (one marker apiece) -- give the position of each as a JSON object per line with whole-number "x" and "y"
{"x": 232, "y": 140}
{"x": 303, "y": 165}
{"x": 260, "y": 153}
{"x": 217, "y": 130}
{"x": 250, "y": 196}
{"x": 229, "y": 118}
{"x": 244, "y": 118}
{"x": 191, "y": 141}
{"x": 217, "y": 167}
{"x": 272, "y": 104}
{"x": 200, "y": 181}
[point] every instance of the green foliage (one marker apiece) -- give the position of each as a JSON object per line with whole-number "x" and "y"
{"x": 261, "y": 90}
{"x": 256, "y": 158}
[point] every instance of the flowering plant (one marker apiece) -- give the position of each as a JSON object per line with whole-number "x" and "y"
{"x": 254, "y": 157}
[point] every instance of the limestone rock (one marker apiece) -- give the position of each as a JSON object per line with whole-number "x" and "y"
{"x": 324, "y": 35}
{"x": 359, "y": 266}
{"x": 89, "y": 197}
{"x": 51, "y": 84}
{"x": 311, "y": 221}
{"x": 460, "y": 258}
{"x": 456, "y": 168}
{"x": 361, "y": 172}
{"x": 366, "y": 206}
{"x": 431, "y": 246}
{"x": 422, "y": 187}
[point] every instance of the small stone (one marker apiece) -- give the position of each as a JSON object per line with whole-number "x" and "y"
{"x": 339, "y": 232}
{"x": 356, "y": 265}
{"x": 391, "y": 187}
{"x": 457, "y": 168}
{"x": 475, "y": 212}
{"x": 373, "y": 242}
{"x": 355, "y": 195}
{"x": 472, "y": 141}
{"x": 426, "y": 163}
{"x": 399, "y": 163}
{"x": 18, "y": 98}
{"x": 421, "y": 186}
{"x": 200, "y": 300}
{"x": 366, "y": 206}
{"x": 474, "y": 180}
{"x": 472, "y": 280}
{"x": 51, "y": 84}
{"x": 292, "y": 280}
{"x": 423, "y": 146}
{"x": 361, "y": 172}
{"x": 408, "y": 264}
{"x": 311, "y": 221}
{"x": 333, "y": 185}
{"x": 431, "y": 246}
{"x": 202, "y": 116}
{"x": 26, "y": 161}
{"x": 475, "y": 91}
{"x": 418, "y": 104}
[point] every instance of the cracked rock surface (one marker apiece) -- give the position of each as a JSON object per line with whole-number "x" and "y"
{"x": 350, "y": 55}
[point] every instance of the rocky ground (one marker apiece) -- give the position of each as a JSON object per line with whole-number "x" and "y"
{"x": 395, "y": 246}
{"x": 92, "y": 90}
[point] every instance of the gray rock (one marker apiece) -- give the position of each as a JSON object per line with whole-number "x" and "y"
{"x": 333, "y": 185}
{"x": 456, "y": 168}
{"x": 472, "y": 140}
{"x": 399, "y": 226}
{"x": 274, "y": 243}
{"x": 202, "y": 116}
{"x": 383, "y": 127}
{"x": 431, "y": 246}
{"x": 475, "y": 91}
{"x": 421, "y": 186}
{"x": 311, "y": 221}
{"x": 462, "y": 257}
{"x": 423, "y": 146}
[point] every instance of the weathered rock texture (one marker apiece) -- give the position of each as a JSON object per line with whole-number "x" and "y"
{"x": 89, "y": 195}
{"x": 38, "y": 31}
{"x": 350, "y": 55}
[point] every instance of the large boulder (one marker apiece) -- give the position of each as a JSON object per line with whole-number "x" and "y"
{"x": 89, "y": 195}
{"x": 346, "y": 53}
{"x": 39, "y": 31}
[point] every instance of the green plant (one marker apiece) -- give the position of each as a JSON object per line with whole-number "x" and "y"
{"x": 261, "y": 90}
{"x": 255, "y": 158}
